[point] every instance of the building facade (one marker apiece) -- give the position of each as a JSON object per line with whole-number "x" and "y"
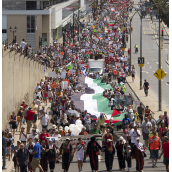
{"x": 38, "y": 19}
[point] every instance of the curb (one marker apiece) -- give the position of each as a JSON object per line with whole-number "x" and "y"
{"x": 134, "y": 92}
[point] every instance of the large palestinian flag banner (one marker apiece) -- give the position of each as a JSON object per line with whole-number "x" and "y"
{"x": 93, "y": 100}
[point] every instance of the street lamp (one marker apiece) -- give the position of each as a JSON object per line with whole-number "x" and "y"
{"x": 11, "y": 30}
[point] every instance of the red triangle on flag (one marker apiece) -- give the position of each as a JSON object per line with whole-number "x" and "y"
{"x": 113, "y": 121}
{"x": 115, "y": 112}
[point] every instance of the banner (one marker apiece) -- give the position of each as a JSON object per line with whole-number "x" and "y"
{"x": 52, "y": 74}
{"x": 74, "y": 139}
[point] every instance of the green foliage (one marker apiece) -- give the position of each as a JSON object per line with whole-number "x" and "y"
{"x": 163, "y": 8}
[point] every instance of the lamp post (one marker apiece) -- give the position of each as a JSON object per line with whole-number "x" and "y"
{"x": 73, "y": 30}
{"x": 11, "y": 30}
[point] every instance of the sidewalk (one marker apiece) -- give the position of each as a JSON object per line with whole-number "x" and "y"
{"x": 10, "y": 164}
{"x": 150, "y": 100}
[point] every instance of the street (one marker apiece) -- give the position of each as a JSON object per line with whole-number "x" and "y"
{"x": 150, "y": 53}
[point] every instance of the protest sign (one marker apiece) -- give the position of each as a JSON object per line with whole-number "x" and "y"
{"x": 53, "y": 85}
{"x": 72, "y": 71}
{"x": 63, "y": 75}
{"x": 64, "y": 84}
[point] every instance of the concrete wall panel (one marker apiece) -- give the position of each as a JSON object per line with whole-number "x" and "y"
{"x": 19, "y": 79}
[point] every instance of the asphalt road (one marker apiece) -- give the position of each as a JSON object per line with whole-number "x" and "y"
{"x": 150, "y": 53}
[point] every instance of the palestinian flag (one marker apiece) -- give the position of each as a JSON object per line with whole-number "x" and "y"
{"x": 93, "y": 101}
{"x": 111, "y": 23}
{"x": 69, "y": 66}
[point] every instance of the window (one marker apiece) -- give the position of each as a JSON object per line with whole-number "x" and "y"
{"x": 30, "y": 24}
{"x": 30, "y": 5}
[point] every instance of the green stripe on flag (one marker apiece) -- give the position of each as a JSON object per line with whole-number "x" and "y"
{"x": 103, "y": 85}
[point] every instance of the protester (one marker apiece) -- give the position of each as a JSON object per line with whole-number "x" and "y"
{"x": 138, "y": 152}
{"x": 15, "y": 150}
{"x": 36, "y": 156}
{"x": 29, "y": 147}
{"x": 4, "y": 149}
{"x": 128, "y": 156}
{"x": 154, "y": 146}
{"x": 140, "y": 111}
{"x": 23, "y": 135}
{"x": 45, "y": 120}
{"x": 80, "y": 148}
{"x": 44, "y": 160}
{"x": 43, "y": 136}
{"x": 66, "y": 152}
{"x": 165, "y": 152}
{"x": 146, "y": 127}
{"x": 87, "y": 123}
{"x": 13, "y": 122}
{"x": 120, "y": 147}
{"x": 92, "y": 150}
{"x": 51, "y": 155}
{"x": 109, "y": 154}
{"x": 95, "y": 130}
{"x": 22, "y": 158}
{"x": 165, "y": 117}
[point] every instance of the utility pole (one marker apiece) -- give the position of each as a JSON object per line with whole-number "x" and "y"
{"x": 130, "y": 40}
{"x": 141, "y": 50}
{"x": 160, "y": 88}
{"x": 78, "y": 24}
{"x": 73, "y": 30}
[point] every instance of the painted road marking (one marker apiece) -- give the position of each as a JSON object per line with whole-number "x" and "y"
{"x": 150, "y": 67}
{"x": 153, "y": 71}
{"x": 145, "y": 71}
{"x": 147, "y": 62}
{"x": 156, "y": 62}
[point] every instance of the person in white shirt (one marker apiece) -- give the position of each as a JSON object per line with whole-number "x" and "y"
{"x": 131, "y": 115}
{"x": 134, "y": 134}
{"x": 33, "y": 135}
{"x": 45, "y": 120}
{"x": 56, "y": 134}
{"x": 38, "y": 86}
{"x": 22, "y": 44}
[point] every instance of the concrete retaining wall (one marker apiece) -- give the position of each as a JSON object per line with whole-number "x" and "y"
{"x": 19, "y": 79}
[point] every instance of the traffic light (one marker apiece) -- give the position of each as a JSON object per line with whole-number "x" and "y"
{"x": 162, "y": 32}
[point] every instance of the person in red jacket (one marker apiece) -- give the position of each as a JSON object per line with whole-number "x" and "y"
{"x": 165, "y": 152}
{"x": 29, "y": 119}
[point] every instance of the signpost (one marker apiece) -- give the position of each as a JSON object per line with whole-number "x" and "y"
{"x": 141, "y": 61}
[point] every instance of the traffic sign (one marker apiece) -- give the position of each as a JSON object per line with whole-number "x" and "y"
{"x": 160, "y": 74}
{"x": 141, "y": 65}
{"x": 141, "y": 60}
{"x": 123, "y": 49}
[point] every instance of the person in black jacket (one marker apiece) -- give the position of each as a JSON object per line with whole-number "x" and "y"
{"x": 51, "y": 155}
{"x": 120, "y": 147}
{"x": 92, "y": 149}
{"x": 22, "y": 158}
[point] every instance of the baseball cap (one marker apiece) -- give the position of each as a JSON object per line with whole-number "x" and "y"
{"x": 95, "y": 125}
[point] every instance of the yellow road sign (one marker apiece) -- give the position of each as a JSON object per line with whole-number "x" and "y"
{"x": 141, "y": 65}
{"x": 160, "y": 74}
{"x": 123, "y": 49}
